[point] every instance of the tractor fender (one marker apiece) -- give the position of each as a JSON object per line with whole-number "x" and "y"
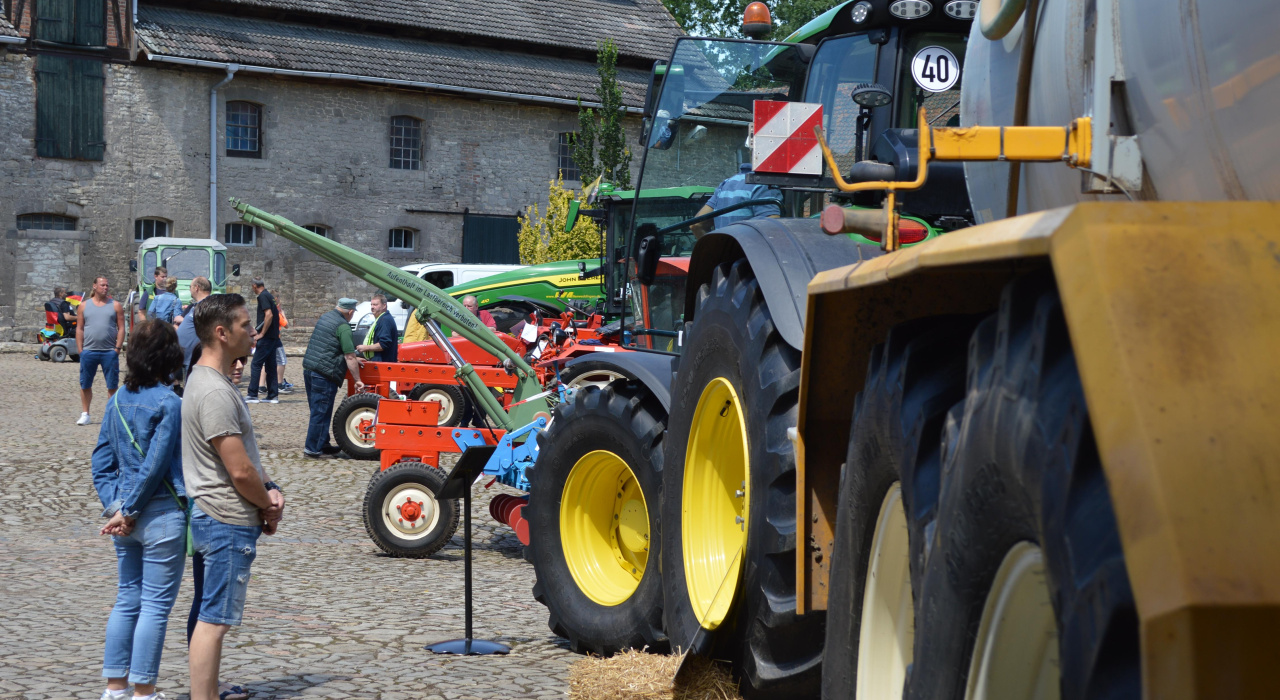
{"x": 652, "y": 369}
{"x": 784, "y": 255}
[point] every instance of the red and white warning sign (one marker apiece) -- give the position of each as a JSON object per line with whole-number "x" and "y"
{"x": 784, "y": 139}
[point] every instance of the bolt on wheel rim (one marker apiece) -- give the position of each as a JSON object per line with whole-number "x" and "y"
{"x": 715, "y": 502}
{"x": 1016, "y": 652}
{"x": 887, "y": 625}
{"x": 604, "y": 527}
{"x": 410, "y": 511}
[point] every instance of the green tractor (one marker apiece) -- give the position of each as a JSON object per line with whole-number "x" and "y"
{"x": 185, "y": 259}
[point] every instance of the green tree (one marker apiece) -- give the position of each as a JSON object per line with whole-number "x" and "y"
{"x": 724, "y": 19}
{"x": 601, "y": 133}
{"x": 542, "y": 237}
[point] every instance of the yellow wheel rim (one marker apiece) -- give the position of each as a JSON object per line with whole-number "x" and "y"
{"x": 604, "y": 527}
{"x": 715, "y": 502}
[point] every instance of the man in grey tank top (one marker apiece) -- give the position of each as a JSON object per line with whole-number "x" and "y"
{"x": 99, "y": 341}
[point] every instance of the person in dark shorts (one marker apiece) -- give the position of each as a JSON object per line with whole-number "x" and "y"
{"x": 99, "y": 341}
{"x": 264, "y": 353}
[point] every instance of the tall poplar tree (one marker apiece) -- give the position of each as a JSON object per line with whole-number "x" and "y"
{"x": 600, "y": 146}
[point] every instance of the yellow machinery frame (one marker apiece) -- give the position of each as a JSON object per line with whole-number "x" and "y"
{"x": 1174, "y": 314}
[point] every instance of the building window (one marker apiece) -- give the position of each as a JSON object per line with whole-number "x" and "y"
{"x": 322, "y": 230}
{"x": 240, "y": 234}
{"x": 150, "y": 228}
{"x": 46, "y": 222}
{"x": 71, "y": 22}
{"x": 564, "y": 157}
{"x": 406, "y": 143}
{"x": 401, "y": 239}
{"x": 244, "y": 130}
{"x": 69, "y": 111}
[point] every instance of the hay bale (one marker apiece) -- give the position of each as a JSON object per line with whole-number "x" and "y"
{"x": 634, "y": 675}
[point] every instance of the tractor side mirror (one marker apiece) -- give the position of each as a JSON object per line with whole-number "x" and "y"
{"x": 235, "y": 270}
{"x": 648, "y": 253}
{"x": 572, "y": 218}
{"x": 133, "y": 266}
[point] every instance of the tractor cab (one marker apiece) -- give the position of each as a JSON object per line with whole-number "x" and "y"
{"x": 730, "y": 125}
{"x": 186, "y": 259}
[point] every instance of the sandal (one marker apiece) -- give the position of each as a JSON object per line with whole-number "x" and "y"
{"x": 226, "y": 691}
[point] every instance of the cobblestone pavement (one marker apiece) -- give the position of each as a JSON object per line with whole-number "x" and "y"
{"x": 328, "y": 615}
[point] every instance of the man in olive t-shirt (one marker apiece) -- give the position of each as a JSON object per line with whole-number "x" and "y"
{"x": 235, "y": 501}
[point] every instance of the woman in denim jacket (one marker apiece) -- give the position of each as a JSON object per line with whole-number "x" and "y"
{"x": 146, "y": 518}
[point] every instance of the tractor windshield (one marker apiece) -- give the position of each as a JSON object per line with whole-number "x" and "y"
{"x": 699, "y": 134}
{"x": 186, "y": 264}
{"x": 839, "y": 66}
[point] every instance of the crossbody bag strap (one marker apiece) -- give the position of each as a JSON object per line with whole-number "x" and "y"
{"x": 142, "y": 452}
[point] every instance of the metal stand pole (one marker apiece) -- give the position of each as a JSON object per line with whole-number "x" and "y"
{"x": 468, "y": 646}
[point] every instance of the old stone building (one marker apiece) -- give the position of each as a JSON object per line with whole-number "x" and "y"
{"x": 412, "y": 130}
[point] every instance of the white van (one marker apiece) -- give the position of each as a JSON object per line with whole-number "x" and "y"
{"x": 442, "y": 275}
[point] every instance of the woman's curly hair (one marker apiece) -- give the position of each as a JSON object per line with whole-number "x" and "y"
{"x": 154, "y": 355}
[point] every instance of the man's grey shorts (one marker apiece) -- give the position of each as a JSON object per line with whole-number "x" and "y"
{"x": 228, "y": 551}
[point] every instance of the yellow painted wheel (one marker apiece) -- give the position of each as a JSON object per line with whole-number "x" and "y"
{"x": 715, "y": 502}
{"x": 604, "y": 527}
{"x": 1016, "y": 653}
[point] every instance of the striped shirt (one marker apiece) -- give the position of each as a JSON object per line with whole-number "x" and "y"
{"x": 735, "y": 190}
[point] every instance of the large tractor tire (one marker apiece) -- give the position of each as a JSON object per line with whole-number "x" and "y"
{"x": 453, "y": 402}
{"x": 353, "y": 425}
{"x": 888, "y": 499}
{"x": 401, "y": 514}
{"x": 593, "y": 520}
{"x": 1024, "y": 591}
{"x": 728, "y": 512}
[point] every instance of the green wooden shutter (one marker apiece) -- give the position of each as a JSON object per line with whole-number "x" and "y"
{"x": 55, "y": 21}
{"x": 54, "y": 88}
{"x": 87, "y": 142}
{"x": 490, "y": 239}
{"x": 90, "y": 22}
{"x": 69, "y": 107}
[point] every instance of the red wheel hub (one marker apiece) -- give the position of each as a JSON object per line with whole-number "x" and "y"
{"x": 410, "y": 511}
{"x": 366, "y": 428}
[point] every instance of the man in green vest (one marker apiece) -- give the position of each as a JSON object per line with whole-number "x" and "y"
{"x": 331, "y": 353}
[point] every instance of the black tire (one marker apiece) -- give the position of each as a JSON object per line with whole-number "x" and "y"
{"x": 625, "y": 420}
{"x": 733, "y": 337}
{"x": 416, "y": 478}
{"x": 1021, "y": 466}
{"x": 452, "y": 409}
{"x": 351, "y": 411}
{"x": 57, "y": 353}
{"x": 913, "y": 379}
{"x": 590, "y": 373}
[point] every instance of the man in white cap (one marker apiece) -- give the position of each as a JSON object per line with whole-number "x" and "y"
{"x": 331, "y": 353}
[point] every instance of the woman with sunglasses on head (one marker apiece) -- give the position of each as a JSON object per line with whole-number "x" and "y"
{"x": 137, "y": 471}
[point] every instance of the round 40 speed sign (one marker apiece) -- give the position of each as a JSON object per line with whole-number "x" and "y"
{"x": 935, "y": 69}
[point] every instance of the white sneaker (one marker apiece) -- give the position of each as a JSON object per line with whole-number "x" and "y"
{"x": 252, "y": 401}
{"x": 271, "y": 401}
{"x": 84, "y": 419}
{"x": 123, "y": 694}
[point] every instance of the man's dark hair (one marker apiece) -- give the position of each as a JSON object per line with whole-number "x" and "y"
{"x": 154, "y": 355}
{"x": 160, "y": 269}
{"x": 379, "y": 296}
{"x": 216, "y": 310}
{"x": 59, "y": 293}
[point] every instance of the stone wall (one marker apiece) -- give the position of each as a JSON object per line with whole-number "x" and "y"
{"x": 325, "y": 161}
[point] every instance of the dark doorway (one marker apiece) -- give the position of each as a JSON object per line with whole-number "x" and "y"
{"x": 490, "y": 239}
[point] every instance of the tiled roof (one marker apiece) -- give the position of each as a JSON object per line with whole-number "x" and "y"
{"x": 7, "y": 29}
{"x": 641, "y": 28}
{"x": 272, "y": 44}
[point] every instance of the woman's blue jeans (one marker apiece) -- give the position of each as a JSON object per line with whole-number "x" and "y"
{"x": 151, "y": 559}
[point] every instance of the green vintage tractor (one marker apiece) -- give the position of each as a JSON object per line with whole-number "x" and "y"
{"x": 185, "y": 259}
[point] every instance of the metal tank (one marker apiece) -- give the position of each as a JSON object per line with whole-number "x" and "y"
{"x": 1201, "y": 93}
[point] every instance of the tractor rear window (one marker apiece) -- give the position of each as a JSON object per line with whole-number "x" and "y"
{"x": 941, "y": 108}
{"x": 837, "y": 68}
{"x": 187, "y": 264}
